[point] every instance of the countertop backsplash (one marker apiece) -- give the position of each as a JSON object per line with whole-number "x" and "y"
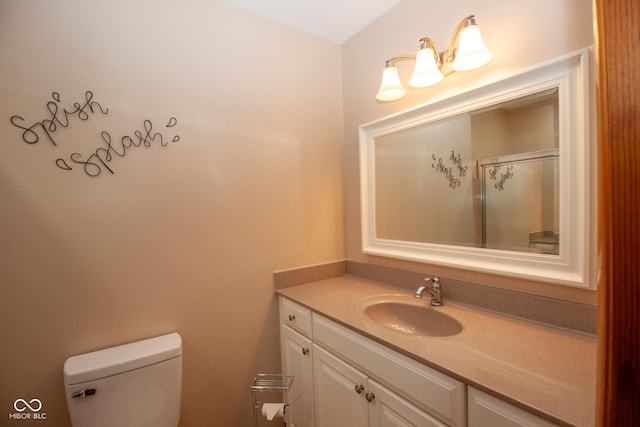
{"x": 569, "y": 315}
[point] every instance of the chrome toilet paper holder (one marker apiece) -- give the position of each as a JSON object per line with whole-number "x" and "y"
{"x": 268, "y": 386}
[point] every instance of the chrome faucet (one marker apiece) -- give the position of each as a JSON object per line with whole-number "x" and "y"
{"x": 435, "y": 290}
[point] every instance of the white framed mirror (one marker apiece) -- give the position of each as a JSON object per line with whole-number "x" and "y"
{"x": 494, "y": 179}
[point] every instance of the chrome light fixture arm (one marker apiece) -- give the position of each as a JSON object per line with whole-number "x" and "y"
{"x": 426, "y": 42}
{"x": 391, "y": 62}
{"x": 451, "y": 52}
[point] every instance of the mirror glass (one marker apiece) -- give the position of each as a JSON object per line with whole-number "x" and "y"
{"x": 485, "y": 178}
{"x": 495, "y": 179}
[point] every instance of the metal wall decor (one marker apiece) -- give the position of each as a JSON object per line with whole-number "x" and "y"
{"x": 456, "y": 160}
{"x": 503, "y": 176}
{"x": 96, "y": 160}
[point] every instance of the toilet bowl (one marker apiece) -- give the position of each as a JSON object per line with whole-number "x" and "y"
{"x": 131, "y": 385}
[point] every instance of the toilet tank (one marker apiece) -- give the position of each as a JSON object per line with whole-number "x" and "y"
{"x": 131, "y": 385}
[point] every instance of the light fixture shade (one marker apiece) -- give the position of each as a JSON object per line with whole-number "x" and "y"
{"x": 472, "y": 52}
{"x": 390, "y": 87}
{"x": 426, "y": 72}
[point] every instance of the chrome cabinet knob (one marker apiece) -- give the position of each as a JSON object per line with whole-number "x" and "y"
{"x": 369, "y": 397}
{"x": 305, "y": 351}
{"x": 359, "y": 388}
{"x": 292, "y": 318}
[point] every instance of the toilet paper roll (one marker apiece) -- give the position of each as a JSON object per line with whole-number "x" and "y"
{"x": 272, "y": 410}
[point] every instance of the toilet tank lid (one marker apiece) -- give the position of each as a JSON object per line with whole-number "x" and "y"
{"x": 120, "y": 359}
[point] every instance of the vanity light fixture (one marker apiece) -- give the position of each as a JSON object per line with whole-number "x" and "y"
{"x": 431, "y": 67}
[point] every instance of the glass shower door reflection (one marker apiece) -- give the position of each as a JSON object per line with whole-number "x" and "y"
{"x": 520, "y": 200}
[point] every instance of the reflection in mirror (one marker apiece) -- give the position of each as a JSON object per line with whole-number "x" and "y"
{"x": 520, "y": 202}
{"x": 486, "y": 178}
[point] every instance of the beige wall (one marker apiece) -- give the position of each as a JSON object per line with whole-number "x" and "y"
{"x": 179, "y": 238}
{"x": 520, "y": 34}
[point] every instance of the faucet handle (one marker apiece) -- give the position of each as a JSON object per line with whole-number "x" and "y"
{"x": 435, "y": 281}
{"x": 436, "y": 290}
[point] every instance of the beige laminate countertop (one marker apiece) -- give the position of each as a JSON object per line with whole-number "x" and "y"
{"x": 548, "y": 371}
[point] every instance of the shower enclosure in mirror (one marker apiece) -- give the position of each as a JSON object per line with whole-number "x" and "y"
{"x": 520, "y": 202}
{"x": 495, "y": 179}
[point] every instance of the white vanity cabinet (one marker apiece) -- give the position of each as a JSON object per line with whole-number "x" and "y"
{"x": 296, "y": 356}
{"x": 487, "y": 410}
{"x": 345, "y": 379}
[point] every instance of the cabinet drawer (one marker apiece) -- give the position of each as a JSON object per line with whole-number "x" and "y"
{"x": 296, "y": 316}
{"x": 437, "y": 393}
{"x": 486, "y": 410}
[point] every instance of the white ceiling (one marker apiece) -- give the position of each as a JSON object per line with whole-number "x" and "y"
{"x": 334, "y": 20}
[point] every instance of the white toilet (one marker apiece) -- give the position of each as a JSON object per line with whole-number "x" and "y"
{"x": 132, "y": 385}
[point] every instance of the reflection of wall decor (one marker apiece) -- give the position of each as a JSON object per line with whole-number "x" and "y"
{"x": 457, "y": 161}
{"x": 503, "y": 176}
{"x": 94, "y": 163}
{"x": 448, "y": 171}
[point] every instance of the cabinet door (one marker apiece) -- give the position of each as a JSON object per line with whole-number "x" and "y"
{"x": 339, "y": 391}
{"x": 486, "y": 410}
{"x": 387, "y": 409}
{"x": 297, "y": 361}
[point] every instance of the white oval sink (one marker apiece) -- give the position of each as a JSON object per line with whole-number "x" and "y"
{"x": 413, "y": 319}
